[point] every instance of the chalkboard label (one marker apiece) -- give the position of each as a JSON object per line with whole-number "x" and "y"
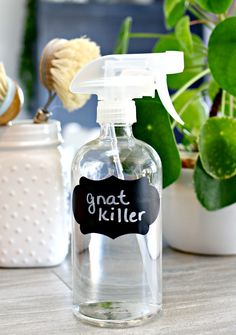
{"x": 115, "y": 207}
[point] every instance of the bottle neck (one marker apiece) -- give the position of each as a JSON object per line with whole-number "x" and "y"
{"x": 112, "y": 131}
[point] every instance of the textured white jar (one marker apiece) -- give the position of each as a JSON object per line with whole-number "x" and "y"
{"x": 34, "y": 229}
{"x": 189, "y": 227}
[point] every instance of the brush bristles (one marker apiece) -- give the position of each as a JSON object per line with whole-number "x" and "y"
{"x": 67, "y": 59}
{"x": 3, "y": 83}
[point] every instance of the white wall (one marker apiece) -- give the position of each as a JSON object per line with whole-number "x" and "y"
{"x": 12, "y": 15}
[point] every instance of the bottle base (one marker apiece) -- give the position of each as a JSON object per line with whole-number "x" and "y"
{"x": 116, "y": 314}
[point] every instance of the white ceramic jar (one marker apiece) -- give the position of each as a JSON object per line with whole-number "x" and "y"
{"x": 34, "y": 229}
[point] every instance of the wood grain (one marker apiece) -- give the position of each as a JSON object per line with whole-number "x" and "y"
{"x": 199, "y": 298}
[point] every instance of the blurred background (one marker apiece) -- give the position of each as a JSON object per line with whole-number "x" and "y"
{"x": 12, "y": 22}
{"x": 27, "y": 25}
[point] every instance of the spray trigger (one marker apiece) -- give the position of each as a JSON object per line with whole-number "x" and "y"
{"x": 162, "y": 90}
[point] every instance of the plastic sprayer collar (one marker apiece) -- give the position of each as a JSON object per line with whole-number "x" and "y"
{"x": 116, "y": 112}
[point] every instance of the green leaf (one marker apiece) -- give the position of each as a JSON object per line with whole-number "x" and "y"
{"x": 153, "y": 127}
{"x": 222, "y": 55}
{"x": 217, "y": 147}
{"x": 193, "y": 62}
{"x": 183, "y": 34}
{"x": 192, "y": 109}
{"x": 122, "y": 43}
{"x": 173, "y": 11}
{"x": 213, "y": 193}
{"x": 215, "y": 6}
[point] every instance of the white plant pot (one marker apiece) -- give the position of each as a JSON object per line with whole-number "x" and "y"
{"x": 191, "y": 228}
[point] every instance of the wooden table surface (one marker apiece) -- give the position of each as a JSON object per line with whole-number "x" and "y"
{"x": 199, "y": 298}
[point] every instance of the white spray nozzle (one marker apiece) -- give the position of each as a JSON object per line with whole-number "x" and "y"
{"x": 117, "y": 79}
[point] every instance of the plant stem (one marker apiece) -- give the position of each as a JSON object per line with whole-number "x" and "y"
{"x": 199, "y": 44}
{"x": 231, "y": 105}
{"x": 200, "y": 48}
{"x": 203, "y": 14}
{"x": 149, "y": 35}
{"x": 223, "y": 102}
{"x": 184, "y": 107}
{"x": 200, "y": 16}
{"x": 200, "y": 51}
{"x": 198, "y": 90}
{"x": 232, "y": 9}
{"x": 189, "y": 83}
{"x": 227, "y": 103}
{"x": 194, "y": 22}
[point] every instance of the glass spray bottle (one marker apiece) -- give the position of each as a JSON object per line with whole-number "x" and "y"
{"x": 117, "y": 185}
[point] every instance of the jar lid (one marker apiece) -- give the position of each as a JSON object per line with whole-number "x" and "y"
{"x": 26, "y": 134}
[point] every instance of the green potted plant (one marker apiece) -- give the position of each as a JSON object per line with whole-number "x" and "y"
{"x": 199, "y": 207}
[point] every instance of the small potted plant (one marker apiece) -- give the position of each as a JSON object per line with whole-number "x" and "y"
{"x": 199, "y": 206}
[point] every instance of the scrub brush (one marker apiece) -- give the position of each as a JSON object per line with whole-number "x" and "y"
{"x": 60, "y": 61}
{"x": 11, "y": 98}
